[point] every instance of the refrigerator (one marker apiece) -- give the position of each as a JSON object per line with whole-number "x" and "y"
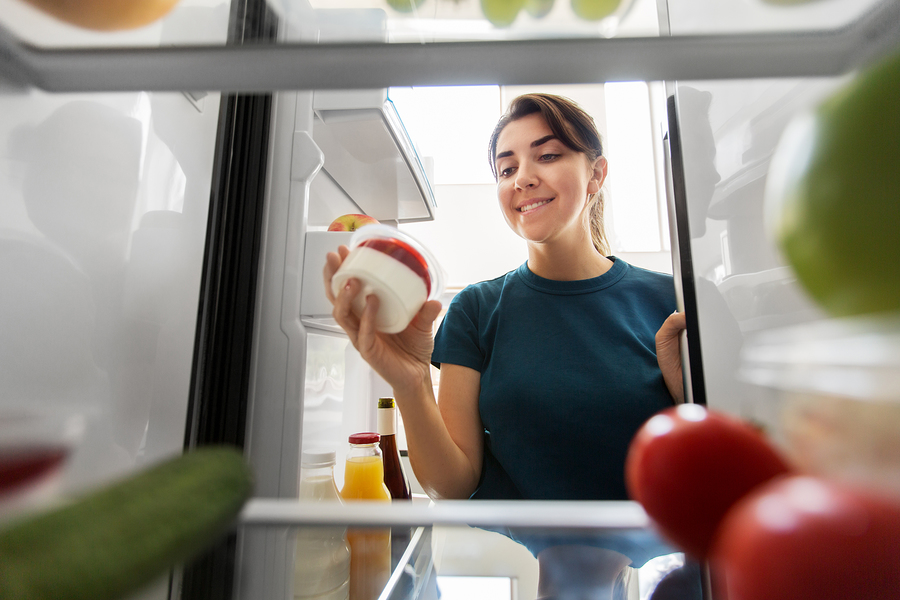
{"x": 165, "y": 190}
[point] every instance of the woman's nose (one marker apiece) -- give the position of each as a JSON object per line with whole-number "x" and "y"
{"x": 525, "y": 178}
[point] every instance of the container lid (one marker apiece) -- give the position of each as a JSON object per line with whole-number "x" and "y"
{"x": 857, "y": 357}
{"x": 435, "y": 273}
{"x": 366, "y": 437}
{"x": 385, "y": 403}
{"x": 320, "y": 458}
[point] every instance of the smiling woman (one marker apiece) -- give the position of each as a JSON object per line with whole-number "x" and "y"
{"x": 453, "y": 141}
{"x": 512, "y": 420}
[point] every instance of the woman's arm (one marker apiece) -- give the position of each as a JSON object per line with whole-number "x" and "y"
{"x": 445, "y": 439}
{"x": 445, "y": 444}
{"x": 668, "y": 354}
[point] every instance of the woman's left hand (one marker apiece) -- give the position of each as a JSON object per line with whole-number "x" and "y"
{"x": 668, "y": 354}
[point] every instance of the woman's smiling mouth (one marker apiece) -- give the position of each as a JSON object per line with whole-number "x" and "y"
{"x": 532, "y": 206}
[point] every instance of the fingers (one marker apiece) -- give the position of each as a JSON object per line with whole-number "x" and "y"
{"x": 678, "y": 320}
{"x": 668, "y": 354}
{"x": 671, "y": 327}
{"x": 343, "y": 308}
{"x": 366, "y": 335}
{"x": 333, "y": 261}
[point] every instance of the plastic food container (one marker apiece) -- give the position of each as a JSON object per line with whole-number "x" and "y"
{"x": 35, "y": 444}
{"x": 839, "y": 386}
{"x": 396, "y": 268}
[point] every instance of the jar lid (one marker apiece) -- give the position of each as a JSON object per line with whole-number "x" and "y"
{"x": 435, "y": 274}
{"x": 366, "y": 437}
{"x": 385, "y": 403}
{"x": 321, "y": 458}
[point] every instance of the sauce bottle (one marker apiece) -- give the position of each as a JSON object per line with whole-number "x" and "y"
{"x": 370, "y": 549}
{"x": 394, "y": 478}
{"x": 322, "y": 554}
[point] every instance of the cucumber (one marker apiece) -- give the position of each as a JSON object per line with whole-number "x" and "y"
{"x": 113, "y": 541}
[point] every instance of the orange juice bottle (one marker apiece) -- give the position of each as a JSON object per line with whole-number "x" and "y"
{"x": 370, "y": 549}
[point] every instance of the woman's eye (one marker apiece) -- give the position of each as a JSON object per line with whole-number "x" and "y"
{"x": 548, "y": 157}
{"x": 507, "y": 171}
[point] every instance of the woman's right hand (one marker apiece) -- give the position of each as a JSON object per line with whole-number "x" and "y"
{"x": 402, "y": 359}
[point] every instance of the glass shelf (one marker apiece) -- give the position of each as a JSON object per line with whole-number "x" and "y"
{"x": 512, "y": 539}
{"x": 450, "y": 45}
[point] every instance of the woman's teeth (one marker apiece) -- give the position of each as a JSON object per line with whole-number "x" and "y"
{"x": 528, "y": 207}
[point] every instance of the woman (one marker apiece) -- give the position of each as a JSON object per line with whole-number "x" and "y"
{"x": 548, "y": 371}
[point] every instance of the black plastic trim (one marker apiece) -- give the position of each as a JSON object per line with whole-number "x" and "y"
{"x": 682, "y": 228}
{"x": 218, "y": 403}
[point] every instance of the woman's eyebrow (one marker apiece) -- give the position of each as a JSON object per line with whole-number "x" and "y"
{"x": 534, "y": 144}
{"x": 543, "y": 140}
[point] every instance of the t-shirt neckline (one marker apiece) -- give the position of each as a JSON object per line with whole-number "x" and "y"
{"x": 582, "y": 286}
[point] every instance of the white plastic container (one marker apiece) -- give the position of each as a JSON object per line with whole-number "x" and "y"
{"x": 839, "y": 386}
{"x": 322, "y": 556}
{"x": 395, "y": 267}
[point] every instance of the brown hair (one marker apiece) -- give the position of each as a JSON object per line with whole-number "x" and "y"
{"x": 573, "y": 127}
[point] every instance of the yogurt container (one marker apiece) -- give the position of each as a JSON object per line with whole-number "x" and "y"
{"x": 838, "y": 386}
{"x": 395, "y": 267}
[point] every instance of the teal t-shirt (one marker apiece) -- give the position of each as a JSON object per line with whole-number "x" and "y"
{"x": 568, "y": 375}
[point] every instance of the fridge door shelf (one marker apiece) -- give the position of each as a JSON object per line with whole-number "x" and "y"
{"x": 263, "y": 67}
{"x": 370, "y": 156}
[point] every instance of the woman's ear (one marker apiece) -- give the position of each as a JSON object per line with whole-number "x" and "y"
{"x": 600, "y": 168}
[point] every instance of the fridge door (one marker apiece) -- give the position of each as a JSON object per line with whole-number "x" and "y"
{"x": 722, "y": 135}
{"x": 104, "y": 206}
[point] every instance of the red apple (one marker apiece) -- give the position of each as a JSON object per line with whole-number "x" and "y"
{"x": 351, "y": 222}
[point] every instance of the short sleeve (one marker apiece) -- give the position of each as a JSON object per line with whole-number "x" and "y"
{"x": 457, "y": 341}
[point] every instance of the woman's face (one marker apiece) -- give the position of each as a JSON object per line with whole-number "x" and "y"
{"x": 542, "y": 184}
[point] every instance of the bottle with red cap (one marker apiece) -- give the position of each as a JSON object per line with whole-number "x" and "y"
{"x": 370, "y": 549}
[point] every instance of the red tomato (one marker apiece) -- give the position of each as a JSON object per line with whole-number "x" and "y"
{"x": 687, "y": 466}
{"x": 802, "y": 537}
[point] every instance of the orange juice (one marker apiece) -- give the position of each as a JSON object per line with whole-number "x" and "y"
{"x": 364, "y": 479}
{"x": 370, "y": 549}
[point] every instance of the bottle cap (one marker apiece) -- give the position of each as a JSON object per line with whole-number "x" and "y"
{"x": 385, "y": 403}
{"x": 322, "y": 458}
{"x": 367, "y": 437}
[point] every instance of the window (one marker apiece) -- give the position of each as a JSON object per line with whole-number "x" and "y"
{"x": 452, "y": 125}
{"x": 454, "y": 587}
{"x": 637, "y": 219}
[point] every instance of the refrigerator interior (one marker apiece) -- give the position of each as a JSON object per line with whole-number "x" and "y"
{"x": 101, "y": 294}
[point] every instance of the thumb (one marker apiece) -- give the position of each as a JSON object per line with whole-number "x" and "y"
{"x": 426, "y": 316}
